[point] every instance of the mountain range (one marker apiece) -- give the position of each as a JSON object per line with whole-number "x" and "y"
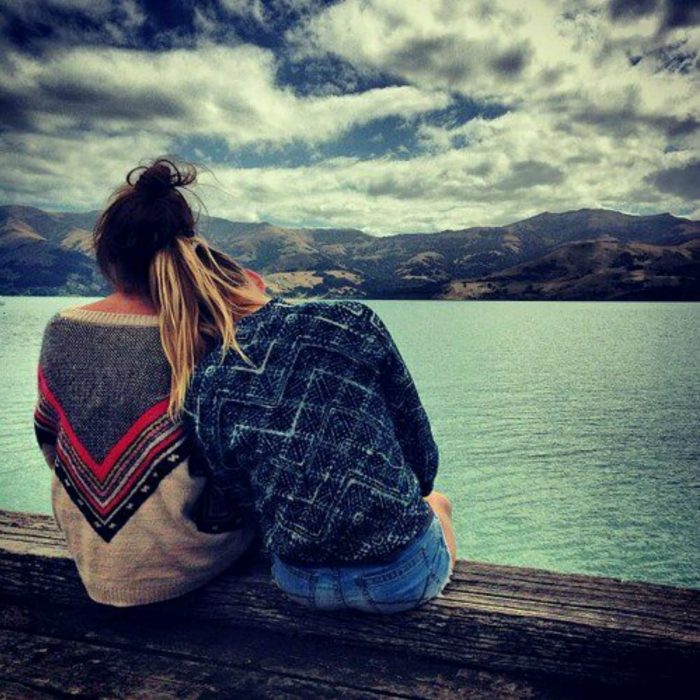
{"x": 590, "y": 254}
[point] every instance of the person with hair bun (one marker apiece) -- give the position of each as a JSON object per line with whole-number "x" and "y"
{"x": 189, "y": 410}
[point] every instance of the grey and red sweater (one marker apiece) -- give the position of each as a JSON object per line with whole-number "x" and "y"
{"x": 127, "y": 490}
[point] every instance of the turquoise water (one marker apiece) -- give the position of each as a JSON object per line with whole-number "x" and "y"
{"x": 569, "y": 433}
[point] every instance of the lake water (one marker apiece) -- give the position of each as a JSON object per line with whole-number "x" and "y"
{"x": 569, "y": 433}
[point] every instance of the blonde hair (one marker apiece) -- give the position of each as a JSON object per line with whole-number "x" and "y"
{"x": 145, "y": 243}
{"x": 196, "y": 290}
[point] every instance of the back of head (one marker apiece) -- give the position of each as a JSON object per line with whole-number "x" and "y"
{"x": 146, "y": 244}
{"x": 146, "y": 215}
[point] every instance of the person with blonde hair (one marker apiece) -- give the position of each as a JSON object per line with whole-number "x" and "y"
{"x": 189, "y": 410}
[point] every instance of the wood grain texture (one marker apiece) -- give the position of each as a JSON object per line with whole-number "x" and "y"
{"x": 347, "y": 669}
{"x": 498, "y": 631}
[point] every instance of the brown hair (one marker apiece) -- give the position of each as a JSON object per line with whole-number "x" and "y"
{"x": 146, "y": 243}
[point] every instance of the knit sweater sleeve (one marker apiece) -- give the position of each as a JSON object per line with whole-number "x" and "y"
{"x": 409, "y": 417}
{"x": 46, "y": 420}
{"x": 220, "y": 504}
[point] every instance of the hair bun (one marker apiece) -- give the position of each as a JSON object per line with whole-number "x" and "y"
{"x": 155, "y": 182}
{"x": 160, "y": 178}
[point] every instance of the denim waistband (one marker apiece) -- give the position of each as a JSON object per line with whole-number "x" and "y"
{"x": 431, "y": 521}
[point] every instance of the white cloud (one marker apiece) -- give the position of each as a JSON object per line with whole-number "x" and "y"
{"x": 105, "y": 107}
{"x": 597, "y": 109}
{"x": 212, "y": 90}
{"x": 511, "y": 168}
{"x": 246, "y": 8}
{"x": 75, "y": 174}
{"x": 539, "y": 52}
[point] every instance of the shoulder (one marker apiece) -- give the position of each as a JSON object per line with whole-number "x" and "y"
{"x": 51, "y": 323}
{"x": 61, "y": 318}
{"x": 361, "y": 318}
{"x": 54, "y": 346}
{"x": 347, "y": 326}
{"x": 50, "y": 328}
{"x": 352, "y": 313}
{"x": 355, "y": 318}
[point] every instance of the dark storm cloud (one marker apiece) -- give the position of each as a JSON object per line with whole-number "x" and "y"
{"x": 528, "y": 173}
{"x": 679, "y": 127}
{"x": 682, "y": 13}
{"x": 21, "y": 109}
{"x": 93, "y": 101}
{"x": 626, "y": 120}
{"x": 672, "y": 13}
{"x": 683, "y": 181}
{"x": 455, "y": 59}
{"x": 511, "y": 62}
{"x": 449, "y": 57}
{"x": 676, "y": 57}
{"x": 620, "y": 9}
{"x": 674, "y": 53}
{"x": 15, "y": 113}
{"x": 390, "y": 185}
{"x": 621, "y": 123}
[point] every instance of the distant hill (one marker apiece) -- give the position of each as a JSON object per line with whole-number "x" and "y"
{"x": 594, "y": 270}
{"x": 586, "y": 254}
{"x": 40, "y": 255}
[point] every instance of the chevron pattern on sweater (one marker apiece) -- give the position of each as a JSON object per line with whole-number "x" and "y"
{"x": 110, "y": 491}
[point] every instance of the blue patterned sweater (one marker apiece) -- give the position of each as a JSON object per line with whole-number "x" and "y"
{"x": 323, "y": 439}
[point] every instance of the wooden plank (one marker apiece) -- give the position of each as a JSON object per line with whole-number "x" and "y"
{"x": 31, "y": 534}
{"x": 492, "y": 584}
{"x": 343, "y": 666}
{"x": 547, "y": 585}
{"x": 493, "y": 617}
{"x": 10, "y": 690}
{"x": 96, "y": 671}
{"x": 458, "y": 634}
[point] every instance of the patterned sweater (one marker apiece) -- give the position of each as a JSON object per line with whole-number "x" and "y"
{"x": 324, "y": 439}
{"x": 127, "y": 491}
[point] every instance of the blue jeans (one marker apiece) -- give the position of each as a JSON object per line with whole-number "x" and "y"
{"x": 416, "y": 575}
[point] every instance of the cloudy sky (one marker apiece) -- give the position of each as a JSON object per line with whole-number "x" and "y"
{"x": 385, "y": 115}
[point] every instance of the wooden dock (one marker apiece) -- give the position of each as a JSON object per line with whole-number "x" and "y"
{"x": 499, "y": 632}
